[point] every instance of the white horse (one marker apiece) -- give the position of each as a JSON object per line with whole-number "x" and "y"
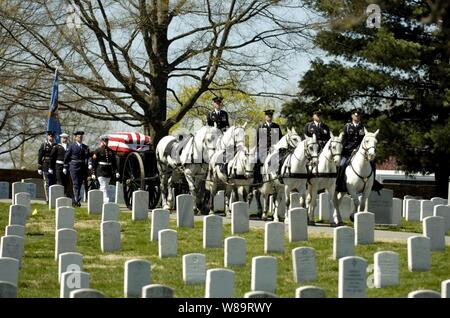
{"x": 324, "y": 176}
{"x": 359, "y": 173}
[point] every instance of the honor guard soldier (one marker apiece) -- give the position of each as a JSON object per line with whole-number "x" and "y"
{"x": 57, "y": 162}
{"x": 44, "y": 162}
{"x": 316, "y": 126}
{"x": 269, "y": 131}
{"x": 103, "y": 162}
{"x": 76, "y": 159}
{"x": 218, "y": 117}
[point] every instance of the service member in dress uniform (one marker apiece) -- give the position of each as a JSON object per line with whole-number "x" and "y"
{"x": 316, "y": 126}
{"x": 104, "y": 164}
{"x": 218, "y": 116}
{"x": 76, "y": 161}
{"x": 44, "y": 162}
{"x": 57, "y": 161}
{"x": 268, "y": 134}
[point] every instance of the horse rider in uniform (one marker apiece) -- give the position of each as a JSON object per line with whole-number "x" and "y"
{"x": 103, "y": 162}
{"x": 57, "y": 162}
{"x": 316, "y": 126}
{"x": 44, "y": 162}
{"x": 76, "y": 159}
{"x": 218, "y": 116}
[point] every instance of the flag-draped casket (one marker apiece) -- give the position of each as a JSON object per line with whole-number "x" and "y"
{"x": 125, "y": 142}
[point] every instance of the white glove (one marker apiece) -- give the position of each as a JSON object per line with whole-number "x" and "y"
{"x": 117, "y": 175}
{"x": 90, "y": 167}
{"x": 40, "y": 172}
{"x": 50, "y": 171}
{"x": 93, "y": 177}
{"x": 65, "y": 171}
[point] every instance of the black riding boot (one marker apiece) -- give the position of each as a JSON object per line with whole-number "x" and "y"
{"x": 376, "y": 185}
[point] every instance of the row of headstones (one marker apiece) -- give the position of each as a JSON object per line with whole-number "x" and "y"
{"x": 417, "y": 210}
{"x": 17, "y": 187}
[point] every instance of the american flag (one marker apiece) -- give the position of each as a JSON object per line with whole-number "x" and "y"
{"x": 128, "y": 142}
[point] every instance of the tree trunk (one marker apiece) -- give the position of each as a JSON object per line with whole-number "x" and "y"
{"x": 156, "y": 133}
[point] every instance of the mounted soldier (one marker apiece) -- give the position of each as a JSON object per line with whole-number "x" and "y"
{"x": 218, "y": 117}
{"x": 316, "y": 126}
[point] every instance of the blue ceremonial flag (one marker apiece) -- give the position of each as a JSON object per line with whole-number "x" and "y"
{"x": 53, "y": 121}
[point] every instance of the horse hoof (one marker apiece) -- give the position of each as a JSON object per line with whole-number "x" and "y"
{"x": 166, "y": 207}
{"x": 312, "y": 223}
{"x": 352, "y": 217}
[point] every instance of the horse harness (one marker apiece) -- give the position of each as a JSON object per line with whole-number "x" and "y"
{"x": 366, "y": 157}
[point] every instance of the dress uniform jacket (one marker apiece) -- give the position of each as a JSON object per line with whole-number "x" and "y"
{"x": 353, "y": 136}
{"x": 219, "y": 117}
{"x": 321, "y": 130}
{"x": 268, "y": 130}
{"x": 44, "y": 159}
{"x": 103, "y": 162}
{"x": 57, "y": 163}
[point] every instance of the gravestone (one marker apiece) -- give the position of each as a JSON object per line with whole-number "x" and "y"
{"x": 185, "y": 210}
{"x": 310, "y": 292}
{"x": 8, "y": 290}
{"x": 438, "y": 201}
{"x": 298, "y": 225}
{"x": 65, "y": 241}
{"x": 110, "y": 212}
{"x": 56, "y": 191}
{"x": 71, "y": 281}
{"x": 95, "y": 202}
{"x": 346, "y": 207}
{"x": 86, "y": 293}
{"x": 23, "y": 198}
{"x": 343, "y": 242}
{"x": 433, "y": 227}
{"x": 9, "y": 270}
{"x": 397, "y": 206}
{"x": 18, "y": 187}
{"x": 259, "y": 294}
{"x": 264, "y": 274}
{"x": 119, "y": 193}
{"x": 212, "y": 231}
{"x": 406, "y": 198}
{"x": 324, "y": 207}
{"x": 160, "y": 221}
{"x": 219, "y": 201}
{"x": 63, "y": 201}
{"x": 280, "y": 209}
{"x": 194, "y": 268}
{"x": 140, "y": 205}
{"x": 304, "y": 264}
{"x": 219, "y": 283}
{"x": 352, "y": 277}
{"x": 137, "y": 275}
{"x": 18, "y": 230}
{"x": 445, "y": 289}
{"x": 424, "y": 293}
{"x": 364, "y": 228}
{"x": 69, "y": 262}
{"x": 412, "y": 210}
{"x": 12, "y": 246}
{"x": 235, "y": 251}
{"x": 294, "y": 200}
{"x": 253, "y": 208}
{"x": 31, "y": 189}
{"x": 110, "y": 236}
{"x": 381, "y": 206}
{"x": 17, "y": 214}
{"x": 274, "y": 237}
{"x": 239, "y": 218}
{"x": 386, "y": 269}
{"x": 157, "y": 291}
{"x": 167, "y": 243}
{"x": 4, "y": 190}
{"x": 65, "y": 218}
{"x": 426, "y": 209}
{"x": 443, "y": 211}
{"x": 419, "y": 254}
{"x": 111, "y": 193}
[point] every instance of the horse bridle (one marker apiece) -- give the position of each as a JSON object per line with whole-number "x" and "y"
{"x": 331, "y": 150}
{"x": 366, "y": 150}
{"x": 308, "y": 154}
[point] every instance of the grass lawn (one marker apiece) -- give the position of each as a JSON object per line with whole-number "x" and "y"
{"x": 38, "y": 276}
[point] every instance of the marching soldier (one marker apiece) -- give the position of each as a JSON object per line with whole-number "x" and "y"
{"x": 104, "y": 164}
{"x": 218, "y": 116}
{"x": 57, "y": 161}
{"x": 44, "y": 162}
{"x": 75, "y": 160}
{"x": 316, "y": 126}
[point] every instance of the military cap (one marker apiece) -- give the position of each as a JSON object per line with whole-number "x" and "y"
{"x": 269, "y": 111}
{"x": 64, "y": 135}
{"x": 217, "y": 99}
{"x": 357, "y": 112}
{"x": 50, "y": 132}
{"x": 317, "y": 112}
{"x": 81, "y": 133}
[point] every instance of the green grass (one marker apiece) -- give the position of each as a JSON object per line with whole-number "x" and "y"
{"x": 38, "y": 276}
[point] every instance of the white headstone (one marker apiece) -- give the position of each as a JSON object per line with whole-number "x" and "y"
{"x": 259, "y": 294}
{"x": 194, "y": 268}
{"x": 254, "y": 204}
{"x": 397, "y": 206}
{"x": 445, "y": 289}
{"x": 157, "y": 291}
{"x": 8, "y": 290}
{"x": 438, "y": 201}
{"x": 95, "y": 202}
{"x": 137, "y": 275}
{"x": 426, "y": 209}
{"x": 309, "y": 292}
{"x": 18, "y": 187}
{"x": 55, "y": 191}
{"x": 419, "y": 254}
{"x": 280, "y": 209}
{"x": 294, "y": 200}
{"x": 111, "y": 193}
{"x": 406, "y": 198}
{"x": 324, "y": 207}
{"x": 346, "y": 207}
{"x": 235, "y": 251}
{"x": 352, "y": 277}
{"x": 298, "y": 225}
{"x": 119, "y": 193}
{"x": 72, "y": 280}
{"x": 140, "y": 205}
{"x": 23, "y": 198}
{"x": 304, "y": 264}
{"x": 167, "y": 243}
{"x": 86, "y": 293}
{"x": 185, "y": 210}
{"x": 433, "y": 227}
{"x": 18, "y": 230}
{"x": 65, "y": 241}
{"x": 160, "y": 221}
{"x": 69, "y": 262}
{"x": 443, "y": 211}
{"x": 63, "y": 201}
{"x": 239, "y": 218}
{"x": 343, "y": 242}
{"x": 264, "y": 274}
{"x": 274, "y": 237}
{"x": 219, "y": 201}
{"x": 17, "y": 214}
{"x": 424, "y": 293}
{"x": 65, "y": 218}
{"x": 219, "y": 283}
{"x": 110, "y": 236}
{"x": 364, "y": 228}
{"x": 31, "y": 189}
{"x": 212, "y": 231}
{"x": 4, "y": 190}
{"x": 12, "y": 246}
{"x": 412, "y": 210}
{"x": 9, "y": 270}
{"x": 110, "y": 212}
{"x": 381, "y": 206}
{"x": 386, "y": 269}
